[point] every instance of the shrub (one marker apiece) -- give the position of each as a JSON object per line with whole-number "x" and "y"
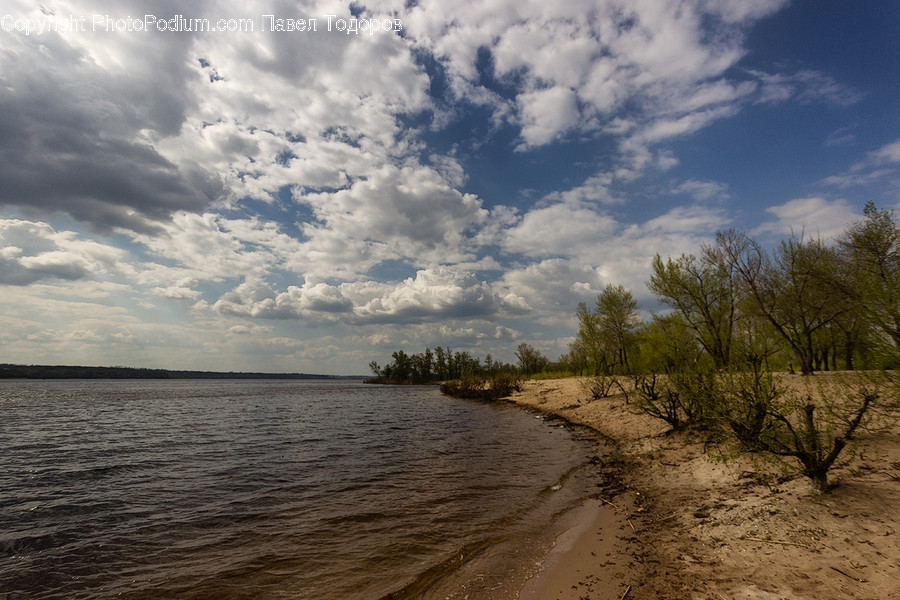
{"x": 805, "y": 432}
{"x": 478, "y": 387}
{"x": 599, "y": 386}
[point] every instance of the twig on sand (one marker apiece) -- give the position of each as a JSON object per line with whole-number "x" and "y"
{"x": 754, "y": 539}
{"x": 625, "y": 593}
{"x": 608, "y": 502}
{"x": 850, "y": 576}
{"x": 630, "y": 523}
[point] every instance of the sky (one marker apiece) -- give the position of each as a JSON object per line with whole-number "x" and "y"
{"x": 309, "y": 186}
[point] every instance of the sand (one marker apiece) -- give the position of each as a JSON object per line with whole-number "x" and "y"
{"x": 679, "y": 525}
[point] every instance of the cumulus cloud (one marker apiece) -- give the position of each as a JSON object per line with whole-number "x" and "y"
{"x": 396, "y": 213}
{"x": 433, "y": 293}
{"x": 558, "y": 229}
{"x": 77, "y": 126}
{"x": 813, "y": 216}
{"x": 33, "y": 251}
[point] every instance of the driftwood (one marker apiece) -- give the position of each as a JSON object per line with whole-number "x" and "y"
{"x": 857, "y": 579}
{"x": 753, "y": 539}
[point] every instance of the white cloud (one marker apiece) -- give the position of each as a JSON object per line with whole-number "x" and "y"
{"x": 547, "y": 114}
{"x": 702, "y": 190}
{"x": 557, "y": 230}
{"x": 804, "y": 87}
{"x": 875, "y": 167}
{"x": 409, "y": 212}
{"x": 31, "y": 251}
{"x": 813, "y": 216}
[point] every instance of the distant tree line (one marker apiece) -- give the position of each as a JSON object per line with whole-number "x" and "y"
{"x": 459, "y": 373}
{"x": 443, "y": 364}
{"x": 11, "y": 371}
{"x": 428, "y": 366}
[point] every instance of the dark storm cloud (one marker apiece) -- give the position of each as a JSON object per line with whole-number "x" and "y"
{"x": 75, "y": 136}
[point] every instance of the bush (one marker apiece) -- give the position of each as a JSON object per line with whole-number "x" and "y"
{"x": 805, "y": 432}
{"x": 599, "y": 386}
{"x": 478, "y": 387}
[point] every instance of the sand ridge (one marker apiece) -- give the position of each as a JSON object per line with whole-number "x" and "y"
{"x": 687, "y": 527}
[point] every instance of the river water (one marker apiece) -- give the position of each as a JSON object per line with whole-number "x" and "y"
{"x": 324, "y": 489}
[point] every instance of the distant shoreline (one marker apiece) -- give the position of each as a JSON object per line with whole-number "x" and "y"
{"x": 12, "y": 371}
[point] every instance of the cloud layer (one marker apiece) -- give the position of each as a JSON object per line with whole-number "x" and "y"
{"x": 278, "y": 192}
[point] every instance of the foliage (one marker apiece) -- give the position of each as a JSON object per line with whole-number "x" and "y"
{"x": 606, "y": 335}
{"x": 872, "y": 247}
{"x": 480, "y": 387}
{"x": 432, "y": 366}
{"x": 705, "y": 293}
{"x": 793, "y": 289}
{"x": 530, "y": 359}
{"x": 674, "y": 380}
{"x": 813, "y": 428}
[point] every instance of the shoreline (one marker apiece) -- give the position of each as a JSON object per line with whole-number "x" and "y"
{"x": 703, "y": 529}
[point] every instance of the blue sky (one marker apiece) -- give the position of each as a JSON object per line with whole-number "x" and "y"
{"x": 313, "y": 200}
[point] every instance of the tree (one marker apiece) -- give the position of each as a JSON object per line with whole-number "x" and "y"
{"x": 794, "y": 289}
{"x": 618, "y": 320}
{"x": 674, "y": 380}
{"x": 871, "y": 247}
{"x": 589, "y": 350}
{"x": 705, "y": 292}
{"x": 376, "y": 370}
{"x": 530, "y": 359}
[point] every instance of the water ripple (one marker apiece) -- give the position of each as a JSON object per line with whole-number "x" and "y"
{"x": 208, "y": 489}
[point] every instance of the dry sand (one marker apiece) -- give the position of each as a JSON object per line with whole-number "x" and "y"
{"x": 681, "y": 526}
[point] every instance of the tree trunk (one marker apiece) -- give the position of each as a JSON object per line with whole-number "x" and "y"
{"x": 848, "y": 352}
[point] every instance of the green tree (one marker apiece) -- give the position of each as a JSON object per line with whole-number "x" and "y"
{"x": 871, "y": 248}
{"x": 705, "y": 292}
{"x": 793, "y": 290}
{"x": 618, "y": 320}
{"x": 531, "y": 361}
{"x": 674, "y": 379}
{"x": 590, "y": 348}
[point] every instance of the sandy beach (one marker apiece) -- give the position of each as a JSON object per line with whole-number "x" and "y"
{"x": 678, "y": 525}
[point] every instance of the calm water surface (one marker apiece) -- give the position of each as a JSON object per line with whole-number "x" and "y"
{"x": 274, "y": 489}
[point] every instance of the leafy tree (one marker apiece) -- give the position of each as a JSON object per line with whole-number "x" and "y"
{"x": 376, "y": 370}
{"x": 705, "y": 292}
{"x": 793, "y": 290}
{"x": 589, "y": 351}
{"x": 531, "y": 361}
{"x": 871, "y": 248}
{"x": 618, "y": 320}
{"x": 808, "y": 431}
{"x": 674, "y": 380}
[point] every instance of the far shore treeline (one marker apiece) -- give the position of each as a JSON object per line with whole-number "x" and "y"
{"x": 10, "y": 371}
{"x": 739, "y": 314}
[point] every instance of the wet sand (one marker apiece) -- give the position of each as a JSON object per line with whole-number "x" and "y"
{"x": 590, "y": 559}
{"x": 679, "y": 526}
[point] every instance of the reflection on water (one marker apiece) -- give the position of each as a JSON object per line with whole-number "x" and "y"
{"x": 272, "y": 489}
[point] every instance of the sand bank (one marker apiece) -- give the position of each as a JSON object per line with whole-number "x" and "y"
{"x": 685, "y": 527}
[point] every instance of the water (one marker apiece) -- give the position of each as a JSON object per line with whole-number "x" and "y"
{"x": 274, "y": 489}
